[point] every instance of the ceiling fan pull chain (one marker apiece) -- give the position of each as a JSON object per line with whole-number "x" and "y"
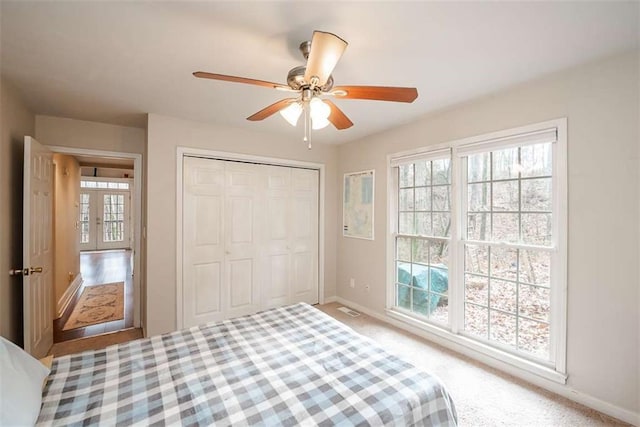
{"x": 307, "y": 124}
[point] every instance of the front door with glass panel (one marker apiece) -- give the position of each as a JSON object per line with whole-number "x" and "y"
{"x": 104, "y": 220}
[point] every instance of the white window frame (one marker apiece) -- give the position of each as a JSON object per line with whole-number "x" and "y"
{"x": 453, "y": 333}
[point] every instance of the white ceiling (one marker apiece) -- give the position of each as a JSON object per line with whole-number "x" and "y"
{"x": 115, "y": 61}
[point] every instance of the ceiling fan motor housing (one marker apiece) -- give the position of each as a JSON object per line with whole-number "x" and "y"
{"x": 295, "y": 79}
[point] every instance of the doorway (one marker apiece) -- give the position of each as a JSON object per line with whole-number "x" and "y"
{"x": 106, "y": 298}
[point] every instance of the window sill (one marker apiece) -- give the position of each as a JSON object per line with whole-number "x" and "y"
{"x": 478, "y": 350}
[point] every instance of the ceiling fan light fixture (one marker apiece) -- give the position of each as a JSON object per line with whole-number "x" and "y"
{"x": 320, "y": 112}
{"x": 292, "y": 113}
{"x": 326, "y": 50}
{"x": 319, "y": 123}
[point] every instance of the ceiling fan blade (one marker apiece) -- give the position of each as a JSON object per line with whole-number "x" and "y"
{"x": 236, "y": 79}
{"x": 271, "y": 109}
{"x": 377, "y": 93}
{"x": 337, "y": 117}
{"x": 326, "y": 50}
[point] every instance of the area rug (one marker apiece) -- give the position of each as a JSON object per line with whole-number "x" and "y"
{"x": 97, "y": 304}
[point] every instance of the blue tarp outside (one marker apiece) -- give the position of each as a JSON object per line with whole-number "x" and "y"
{"x": 424, "y": 302}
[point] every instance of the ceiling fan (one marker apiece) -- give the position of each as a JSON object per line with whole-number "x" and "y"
{"x": 313, "y": 83}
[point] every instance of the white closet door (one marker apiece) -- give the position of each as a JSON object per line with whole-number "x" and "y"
{"x": 203, "y": 241}
{"x": 277, "y": 241}
{"x": 304, "y": 226}
{"x": 250, "y": 238}
{"x": 242, "y": 248}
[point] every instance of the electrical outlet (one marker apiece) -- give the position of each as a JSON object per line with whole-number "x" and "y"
{"x": 352, "y": 283}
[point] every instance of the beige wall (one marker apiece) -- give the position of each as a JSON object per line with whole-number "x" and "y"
{"x": 66, "y": 262}
{"x": 89, "y": 135}
{"x": 16, "y": 121}
{"x": 600, "y": 101}
{"x": 165, "y": 134}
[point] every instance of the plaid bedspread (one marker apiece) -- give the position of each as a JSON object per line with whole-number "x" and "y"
{"x": 287, "y": 366}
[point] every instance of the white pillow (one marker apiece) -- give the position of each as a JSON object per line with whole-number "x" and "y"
{"x": 21, "y": 378}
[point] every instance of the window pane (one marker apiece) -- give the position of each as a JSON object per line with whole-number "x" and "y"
{"x": 421, "y": 251}
{"x": 505, "y": 196}
{"x": 535, "y": 267}
{"x": 423, "y": 224}
{"x": 536, "y": 194}
{"x": 478, "y": 226}
{"x": 441, "y": 312}
{"x": 533, "y": 337}
{"x": 536, "y": 229}
{"x": 534, "y": 302}
{"x": 441, "y": 224}
{"x": 406, "y": 176}
{"x": 403, "y": 249}
{"x": 406, "y": 199}
{"x": 503, "y": 328}
{"x": 123, "y": 186}
{"x": 504, "y": 263}
{"x": 404, "y": 273}
{"x": 439, "y": 253}
{"x": 536, "y": 160}
{"x": 476, "y": 259}
{"x": 421, "y": 302}
{"x": 476, "y": 289}
{"x": 112, "y": 185}
{"x": 422, "y": 198}
{"x": 503, "y": 295}
{"x": 505, "y": 227}
{"x": 403, "y": 297}
{"x": 478, "y": 167}
{"x": 441, "y": 171}
{"x": 406, "y": 223}
{"x": 101, "y": 184}
{"x": 422, "y": 174}
{"x": 505, "y": 164}
{"x": 478, "y": 197}
{"x": 476, "y": 320}
{"x": 441, "y": 198}
{"x": 439, "y": 280}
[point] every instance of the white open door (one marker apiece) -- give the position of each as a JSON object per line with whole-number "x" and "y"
{"x": 37, "y": 255}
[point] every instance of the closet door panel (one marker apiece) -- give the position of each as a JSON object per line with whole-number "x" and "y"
{"x": 241, "y": 284}
{"x": 207, "y": 288}
{"x": 203, "y": 242}
{"x": 241, "y": 239}
{"x": 305, "y": 235}
{"x": 276, "y": 242}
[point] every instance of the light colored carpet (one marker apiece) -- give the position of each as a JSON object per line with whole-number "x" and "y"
{"x": 97, "y": 304}
{"x": 483, "y": 396}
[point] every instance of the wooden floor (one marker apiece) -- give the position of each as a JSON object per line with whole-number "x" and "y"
{"x": 99, "y": 268}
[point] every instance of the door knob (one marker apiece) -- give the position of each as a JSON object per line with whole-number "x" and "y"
{"x": 25, "y": 271}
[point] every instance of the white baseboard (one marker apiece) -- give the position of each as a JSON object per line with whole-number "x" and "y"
{"x": 327, "y": 300}
{"x": 66, "y": 298}
{"x": 560, "y": 389}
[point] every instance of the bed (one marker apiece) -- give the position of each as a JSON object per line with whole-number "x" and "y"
{"x": 293, "y": 365}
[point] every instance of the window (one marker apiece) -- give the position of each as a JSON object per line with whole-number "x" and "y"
{"x": 507, "y": 247}
{"x": 104, "y": 184}
{"x": 84, "y": 218}
{"x": 479, "y": 243}
{"x": 422, "y": 243}
{"x": 113, "y": 218}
